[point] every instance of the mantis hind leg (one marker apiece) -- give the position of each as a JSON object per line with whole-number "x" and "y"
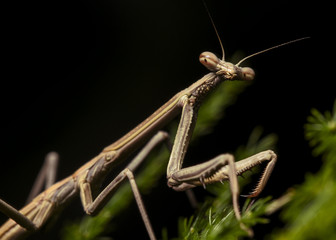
{"x": 46, "y": 175}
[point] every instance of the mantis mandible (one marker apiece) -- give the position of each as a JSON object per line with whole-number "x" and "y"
{"x": 87, "y": 179}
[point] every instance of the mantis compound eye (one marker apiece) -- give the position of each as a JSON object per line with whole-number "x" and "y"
{"x": 248, "y": 73}
{"x": 209, "y": 60}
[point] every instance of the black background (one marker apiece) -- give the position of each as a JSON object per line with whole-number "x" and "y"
{"x": 77, "y": 75}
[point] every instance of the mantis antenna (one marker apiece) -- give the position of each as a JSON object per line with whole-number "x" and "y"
{"x": 271, "y": 48}
{"x": 252, "y": 55}
{"x": 214, "y": 26}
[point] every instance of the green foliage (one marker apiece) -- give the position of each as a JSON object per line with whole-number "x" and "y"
{"x": 312, "y": 211}
{"x": 216, "y": 219}
{"x": 321, "y": 131}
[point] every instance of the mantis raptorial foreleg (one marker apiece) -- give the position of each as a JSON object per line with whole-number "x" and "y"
{"x": 222, "y": 167}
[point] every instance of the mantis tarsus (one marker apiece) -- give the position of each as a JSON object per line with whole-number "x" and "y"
{"x": 87, "y": 178}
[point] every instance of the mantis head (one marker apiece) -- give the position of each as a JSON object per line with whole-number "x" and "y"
{"x": 229, "y": 70}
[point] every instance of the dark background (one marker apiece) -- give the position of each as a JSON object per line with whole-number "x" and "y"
{"x": 77, "y": 75}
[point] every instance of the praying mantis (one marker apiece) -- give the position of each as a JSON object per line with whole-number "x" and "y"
{"x": 88, "y": 177}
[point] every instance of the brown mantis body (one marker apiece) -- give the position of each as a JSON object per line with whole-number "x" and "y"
{"x": 87, "y": 179}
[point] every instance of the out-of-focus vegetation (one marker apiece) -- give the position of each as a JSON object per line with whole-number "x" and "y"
{"x": 312, "y": 212}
